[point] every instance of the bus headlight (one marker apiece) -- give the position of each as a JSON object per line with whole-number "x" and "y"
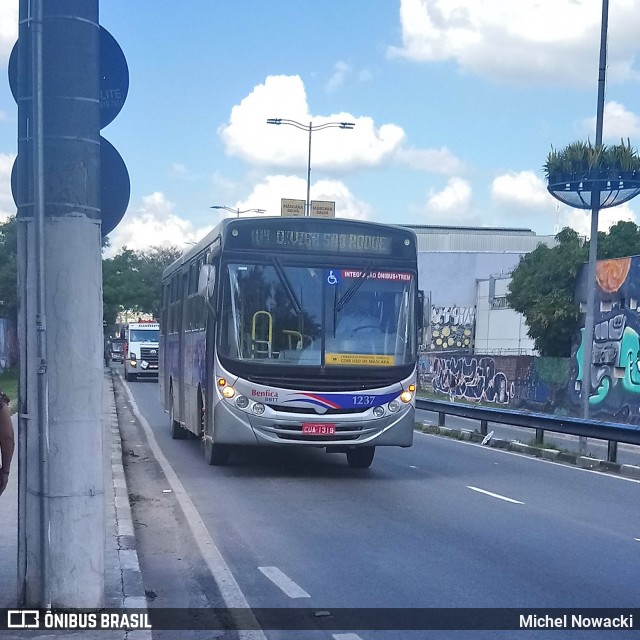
{"x": 228, "y": 392}
{"x": 393, "y": 406}
{"x": 406, "y": 396}
{"x": 133, "y": 363}
{"x": 242, "y": 402}
{"x": 378, "y": 412}
{"x": 258, "y": 408}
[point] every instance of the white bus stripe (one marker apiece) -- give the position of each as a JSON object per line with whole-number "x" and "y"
{"x": 494, "y": 495}
{"x": 284, "y": 583}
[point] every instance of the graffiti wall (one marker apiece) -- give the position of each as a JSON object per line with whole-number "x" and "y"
{"x": 512, "y": 381}
{"x": 452, "y": 328}
{"x": 614, "y": 373}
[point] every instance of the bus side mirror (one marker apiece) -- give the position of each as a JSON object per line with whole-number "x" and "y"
{"x": 420, "y": 310}
{"x": 206, "y": 280}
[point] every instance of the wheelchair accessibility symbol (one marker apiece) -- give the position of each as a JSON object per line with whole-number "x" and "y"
{"x": 333, "y": 278}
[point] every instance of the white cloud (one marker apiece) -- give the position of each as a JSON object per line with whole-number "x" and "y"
{"x": 342, "y": 70}
{"x": 8, "y": 27}
{"x": 249, "y": 137}
{"x": 267, "y": 194}
{"x": 7, "y": 206}
{"x": 580, "y": 219}
{"x": 618, "y": 123}
{"x": 523, "y": 189}
{"x": 520, "y": 41}
{"x": 430, "y": 160}
{"x": 178, "y": 169}
{"x": 154, "y": 224}
{"x": 452, "y": 205}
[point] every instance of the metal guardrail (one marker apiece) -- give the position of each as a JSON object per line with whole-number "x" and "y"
{"x": 614, "y": 432}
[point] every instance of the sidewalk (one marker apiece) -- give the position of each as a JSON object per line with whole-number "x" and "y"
{"x": 123, "y": 580}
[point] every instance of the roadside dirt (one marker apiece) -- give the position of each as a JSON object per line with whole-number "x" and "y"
{"x": 173, "y": 571}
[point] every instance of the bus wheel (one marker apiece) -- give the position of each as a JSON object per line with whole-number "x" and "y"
{"x": 216, "y": 454}
{"x": 361, "y": 458}
{"x": 177, "y": 432}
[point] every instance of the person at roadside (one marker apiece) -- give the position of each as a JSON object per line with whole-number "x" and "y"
{"x": 6, "y": 441}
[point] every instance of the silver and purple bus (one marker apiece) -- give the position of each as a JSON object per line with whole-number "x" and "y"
{"x": 293, "y": 331}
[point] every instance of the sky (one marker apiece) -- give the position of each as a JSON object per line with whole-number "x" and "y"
{"x": 456, "y": 104}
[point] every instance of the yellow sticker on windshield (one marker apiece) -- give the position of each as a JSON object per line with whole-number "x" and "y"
{"x": 355, "y": 359}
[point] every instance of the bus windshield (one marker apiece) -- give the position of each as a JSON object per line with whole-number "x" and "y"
{"x": 283, "y": 314}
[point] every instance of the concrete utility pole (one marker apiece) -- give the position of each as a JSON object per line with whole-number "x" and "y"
{"x": 61, "y": 528}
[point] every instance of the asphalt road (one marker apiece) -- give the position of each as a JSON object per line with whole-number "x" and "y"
{"x": 442, "y": 524}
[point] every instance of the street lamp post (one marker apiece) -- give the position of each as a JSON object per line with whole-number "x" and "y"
{"x": 237, "y": 211}
{"x": 310, "y": 128}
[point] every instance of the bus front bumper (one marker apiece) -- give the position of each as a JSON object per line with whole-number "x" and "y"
{"x": 233, "y": 426}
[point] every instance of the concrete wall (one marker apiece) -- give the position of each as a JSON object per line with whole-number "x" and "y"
{"x": 510, "y": 381}
{"x": 451, "y": 276}
{"x": 449, "y": 280}
{"x": 499, "y": 329}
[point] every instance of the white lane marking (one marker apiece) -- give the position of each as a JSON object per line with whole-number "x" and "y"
{"x": 346, "y": 636}
{"x": 494, "y": 495}
{"x": 229, "y": 588}
{"x": 569, "y": 467}
{"x": 284, "y": 583}
{"x": 637, "y": 539}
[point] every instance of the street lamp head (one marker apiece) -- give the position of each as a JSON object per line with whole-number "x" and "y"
{"x": 347, "y": 125}
{"x": 237, "y": 211}
{"x": 274, "y": 120}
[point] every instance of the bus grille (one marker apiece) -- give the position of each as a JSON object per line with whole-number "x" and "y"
{"x": 318, "y": 383}
{"x": 312, "y": 411}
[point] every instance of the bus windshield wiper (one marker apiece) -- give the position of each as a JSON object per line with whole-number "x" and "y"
{"x": 353, "y": 288}
{"x": 286, "y": 284}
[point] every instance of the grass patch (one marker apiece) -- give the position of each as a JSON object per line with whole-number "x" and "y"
{"x": 9, "y": 383}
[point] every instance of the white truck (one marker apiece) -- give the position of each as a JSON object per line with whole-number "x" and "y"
{"x": 141, "y": 350}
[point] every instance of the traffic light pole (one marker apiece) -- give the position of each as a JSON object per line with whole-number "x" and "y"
{"x": 61, "y": 528}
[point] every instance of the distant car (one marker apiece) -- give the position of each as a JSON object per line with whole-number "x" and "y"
{"x": 117, "y": 350}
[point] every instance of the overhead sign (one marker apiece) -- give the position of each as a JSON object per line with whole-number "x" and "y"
{"x": 323, "y": 209}
{"x": 292, "y": 208}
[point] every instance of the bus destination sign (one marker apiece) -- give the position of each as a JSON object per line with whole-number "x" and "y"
{"x": 346, "y": 242}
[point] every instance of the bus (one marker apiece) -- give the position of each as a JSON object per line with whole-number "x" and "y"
{"x": 293, "y": 331}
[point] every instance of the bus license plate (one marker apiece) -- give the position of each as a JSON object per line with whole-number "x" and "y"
{"x": 318, "y": 428}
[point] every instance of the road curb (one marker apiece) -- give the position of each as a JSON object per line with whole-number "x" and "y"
{"x": 131, "y": 593}
{"x": 554, "y": 455}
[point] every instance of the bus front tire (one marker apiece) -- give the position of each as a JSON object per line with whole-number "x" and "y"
{"x": 360, "y": 458}
{"x": 216, "y": 454}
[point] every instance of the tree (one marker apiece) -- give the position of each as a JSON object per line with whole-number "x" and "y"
{"x": 132, "y": 281}
{"x": 542, "y": 287}
{"x": 8, "y": 269}
{"x": 623, "y": 239}
{"x": 543, "y": 284}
